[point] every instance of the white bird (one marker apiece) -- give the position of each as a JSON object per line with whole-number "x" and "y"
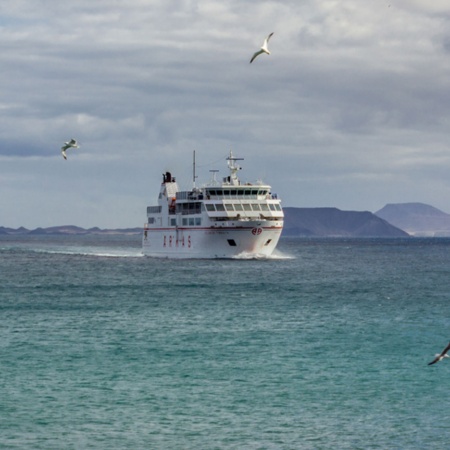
{"x": 71, "y": 144}
{"x": 441, "y": 356}
{"x": 264, "y": 48}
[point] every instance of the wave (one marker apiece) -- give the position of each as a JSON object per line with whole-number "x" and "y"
{"x": 276, "y": 255}
{"x": 93, "y": 251}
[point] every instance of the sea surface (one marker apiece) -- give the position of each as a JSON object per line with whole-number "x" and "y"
{"x": 324, "y": 346}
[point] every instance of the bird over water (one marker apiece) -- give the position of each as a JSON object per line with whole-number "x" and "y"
{"x": 264, "y": 48}
{"x": 441, "y": 356}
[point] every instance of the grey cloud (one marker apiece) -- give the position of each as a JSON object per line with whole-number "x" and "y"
{"x": 337, "y": 114}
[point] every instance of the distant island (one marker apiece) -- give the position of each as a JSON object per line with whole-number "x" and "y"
{"x": 67, "y": 230}
{"x": 332, "y": 222}
{"x": 393, "y": 220}
{"x": 417, "y": 219}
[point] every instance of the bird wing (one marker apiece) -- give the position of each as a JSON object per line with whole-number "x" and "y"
{"x": 64, "y": 154}
{"x": 255, "y": 55}
{"x": 266, "y": 41}
{"x": 73, "y": 142}
{"x": 446, "y": 349}
{"x": 435, "y": 360}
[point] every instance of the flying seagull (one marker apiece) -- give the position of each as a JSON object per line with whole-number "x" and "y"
{"x": 71, "y": 144}
{"x": 264, "y": 48}
{"x": 441, "y": 356}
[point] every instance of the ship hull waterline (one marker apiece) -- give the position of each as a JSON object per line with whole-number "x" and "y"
{"x": 214, "y": 242}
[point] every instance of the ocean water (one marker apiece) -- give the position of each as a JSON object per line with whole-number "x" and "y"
{"x": 324, "y": 346}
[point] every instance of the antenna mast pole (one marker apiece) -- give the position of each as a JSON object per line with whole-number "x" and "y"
{"x": 193, "y": 171}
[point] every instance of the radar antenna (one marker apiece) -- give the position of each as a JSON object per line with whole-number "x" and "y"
{"x": 234, "y": 168}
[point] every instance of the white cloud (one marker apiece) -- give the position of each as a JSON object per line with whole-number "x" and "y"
{"x": 351, "y": 109}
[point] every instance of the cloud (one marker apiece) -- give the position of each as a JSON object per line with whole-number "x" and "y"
{"x": 351, "y": 109}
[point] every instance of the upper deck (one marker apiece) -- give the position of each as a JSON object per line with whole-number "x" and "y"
{"x": 245, "y": 192}
{"x": 225, "y": 200}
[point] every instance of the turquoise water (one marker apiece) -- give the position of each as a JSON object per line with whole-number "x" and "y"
{"x": 324, "y": 346}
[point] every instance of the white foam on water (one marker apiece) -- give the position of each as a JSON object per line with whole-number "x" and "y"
{"x": 94, "y": 251}
{"x": 276, "y": 255}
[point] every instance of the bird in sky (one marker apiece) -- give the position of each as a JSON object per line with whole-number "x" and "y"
{"x": 263, "y": 49}
{"x": 441, "y": 356}
{"x": 71, "y": 144}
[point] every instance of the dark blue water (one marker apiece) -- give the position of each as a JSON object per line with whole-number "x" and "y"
{"x": 324, "y": 346}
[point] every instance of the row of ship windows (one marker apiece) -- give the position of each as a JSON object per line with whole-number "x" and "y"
{"x": 224, "y": 193}
{"x": 191, "y": 221}
{"x": 237, "y": 192}
{"x": 243, "y": 207}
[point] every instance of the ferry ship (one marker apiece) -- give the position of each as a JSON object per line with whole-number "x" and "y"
{"x": 222, "y": 219}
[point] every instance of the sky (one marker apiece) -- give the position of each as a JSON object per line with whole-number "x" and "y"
{"x": 350, "y": 110}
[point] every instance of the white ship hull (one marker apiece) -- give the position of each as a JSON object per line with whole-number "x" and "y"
{"x": 251, "y": 240}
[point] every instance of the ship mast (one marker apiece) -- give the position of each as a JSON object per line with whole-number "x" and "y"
{"x": 234, "y": 168}
{"x": 193, "y": 172}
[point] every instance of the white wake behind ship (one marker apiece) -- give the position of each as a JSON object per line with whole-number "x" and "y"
{"x": 222, "y": 219}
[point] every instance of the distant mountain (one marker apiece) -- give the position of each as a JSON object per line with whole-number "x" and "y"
{"x": 67, "y": 230}
{"x": 417, "y": 219}
{"x": 20, "y": 230}
{"x": 334, "y": 222}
